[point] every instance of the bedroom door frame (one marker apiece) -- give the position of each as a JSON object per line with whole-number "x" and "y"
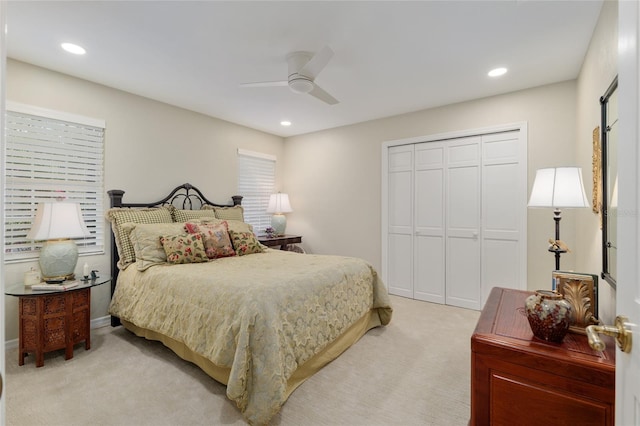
{"x": 521, "y": 128}
{"x": 3, "y": 72}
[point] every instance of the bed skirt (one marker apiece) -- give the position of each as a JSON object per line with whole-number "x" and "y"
{"x": 309, "y": 368}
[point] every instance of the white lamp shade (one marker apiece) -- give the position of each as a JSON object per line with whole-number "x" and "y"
{"x": 58, "y": 220}
{"x": 558, "y": 187}
{"x": 279, "y": 203}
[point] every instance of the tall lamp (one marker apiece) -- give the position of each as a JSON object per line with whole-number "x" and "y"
{"x": 56, "y": 224}
{"x": 278, "y": 205}
{"x": 559, "y": 187}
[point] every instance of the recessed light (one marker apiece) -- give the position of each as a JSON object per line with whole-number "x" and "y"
{"x": 285, "y": 123}
{"x": 497, "y": 72}
{"x": 73, "y": 48}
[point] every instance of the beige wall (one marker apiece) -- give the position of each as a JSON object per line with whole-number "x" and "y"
{"x": 598, "y": 71}
{"x": 334, "y": 177}
{"x": 150, "y": 148}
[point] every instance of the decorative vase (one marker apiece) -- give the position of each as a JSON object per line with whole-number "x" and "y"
{"x": 549, "y": 315}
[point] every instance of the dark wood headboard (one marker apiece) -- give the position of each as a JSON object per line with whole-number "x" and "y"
{"x": 185, "y": 197}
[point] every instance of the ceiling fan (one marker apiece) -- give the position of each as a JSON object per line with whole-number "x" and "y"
{"x": 304, "y": 67}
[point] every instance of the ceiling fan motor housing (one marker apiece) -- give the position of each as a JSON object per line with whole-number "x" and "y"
{"x": 300, "y": 84}
{"x": 297, "y": 82}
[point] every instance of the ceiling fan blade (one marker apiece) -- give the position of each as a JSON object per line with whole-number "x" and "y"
{"x": 265, "y": 83}
{"x": 320, "y": 60}
{"x": 317, "y": 92}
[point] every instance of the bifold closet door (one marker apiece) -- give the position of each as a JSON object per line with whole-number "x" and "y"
{"x": 503, "y": 197}
{"x": 429, "y": 230}
{"x": 463, "y": 244}
{"x": 400, "y": 232}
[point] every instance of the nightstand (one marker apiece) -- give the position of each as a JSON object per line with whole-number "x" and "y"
{"x": 54, "y": 319}
{"x": 281, "y": 240}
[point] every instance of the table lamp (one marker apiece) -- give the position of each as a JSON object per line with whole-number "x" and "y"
{"x": 559, "y": 187}
{"x": 56, "y": 224}
{"x": 279, "y": 204}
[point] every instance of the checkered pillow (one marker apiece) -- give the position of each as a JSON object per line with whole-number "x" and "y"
{"x": 187, "y": 215}
{"x": 120, "y": 216}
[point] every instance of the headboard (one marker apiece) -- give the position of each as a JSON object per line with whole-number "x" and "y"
{"x": 185, "y": 196}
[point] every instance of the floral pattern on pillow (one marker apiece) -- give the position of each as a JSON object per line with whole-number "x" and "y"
{"x": 186, "y": 248}
{"x": 216, "y": 238}
{"x": 245, "y": 243}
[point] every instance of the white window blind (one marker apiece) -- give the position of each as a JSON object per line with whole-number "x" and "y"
{"x": 256, "y": 182}
{"x": 50, "y": 158}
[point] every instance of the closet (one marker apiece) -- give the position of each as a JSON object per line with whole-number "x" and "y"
{"x": 454, "y": 215}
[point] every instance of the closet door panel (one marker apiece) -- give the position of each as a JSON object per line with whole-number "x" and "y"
{"x": 400, "y": 222}
{"x": 500, "y": 263}
{"x": 463, "y": 247}
{"x": 503, "y": 212}
{"x": 429, "y": 242}
{"x": 429, "y": 284}
{"x": 400, "y": 265}
{"x": 463, "y": 273}
{"x": 401, "y": 189}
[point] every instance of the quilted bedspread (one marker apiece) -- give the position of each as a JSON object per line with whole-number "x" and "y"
{"x": 261, "y": 315}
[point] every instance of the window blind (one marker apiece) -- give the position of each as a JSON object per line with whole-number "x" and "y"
{"x": 256, "y": 182}
{"x": 51, "y": 159}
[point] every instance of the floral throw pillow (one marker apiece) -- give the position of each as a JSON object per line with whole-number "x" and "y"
{"x": 245, "y": 243}
{"x": 186, "y": 248}
{"x": 215, "y": 237}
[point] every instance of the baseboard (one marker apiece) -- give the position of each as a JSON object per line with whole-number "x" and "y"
{"x": 95, "y": 323}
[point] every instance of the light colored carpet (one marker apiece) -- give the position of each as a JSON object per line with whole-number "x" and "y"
{"x": 413, "y": 372}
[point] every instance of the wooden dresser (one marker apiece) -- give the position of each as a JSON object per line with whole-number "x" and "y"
{"x": 519, "y": 379}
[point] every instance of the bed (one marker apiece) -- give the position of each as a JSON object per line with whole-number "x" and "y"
{"x": 260, "y": 321}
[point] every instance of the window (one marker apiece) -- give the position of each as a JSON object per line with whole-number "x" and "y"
{"x": 51, "y": 156}
{"x": 256, "y": 182}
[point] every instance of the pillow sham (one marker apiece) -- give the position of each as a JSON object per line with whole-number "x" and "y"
{"x": 187, "y": 215}
{"x": 215, "y": 237}
{"x": 227, "y": 213}
{"x": 120, "y": 216}
{"x": 146, "y": 241}
{"x": 234, "y": 225}
{"x": 245, "y": 243}
{"x": 184, "y": 248}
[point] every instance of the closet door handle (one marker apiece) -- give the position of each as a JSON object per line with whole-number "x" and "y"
{"x": 475, "y": 236}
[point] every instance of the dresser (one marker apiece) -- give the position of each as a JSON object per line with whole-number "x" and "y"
{"x": 518, "y": 379}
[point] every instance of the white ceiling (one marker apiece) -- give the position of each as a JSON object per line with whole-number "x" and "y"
{"x": 390, "y": 57}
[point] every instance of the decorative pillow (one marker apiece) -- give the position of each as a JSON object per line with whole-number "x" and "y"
{"x": 120, "y": 216}
{"x": 216, "y": 238}
{"x": 185, "y": 248}
{"x": 146, "y": 241}
{"x": 234, "y": 225}
{"x": 187, "y": 215}
{"x": 230, "y": 213}
{"x": 245, "y": 243}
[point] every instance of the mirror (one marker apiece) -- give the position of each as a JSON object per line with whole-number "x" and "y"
{"x": 609, "y": 181}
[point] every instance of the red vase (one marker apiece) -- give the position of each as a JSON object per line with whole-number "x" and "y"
{"x": 549, "y": 315}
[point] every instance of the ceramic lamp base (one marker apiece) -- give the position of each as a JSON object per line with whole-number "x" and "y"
{"x": 278, "y": 223}
{"x": 58, "y": 259}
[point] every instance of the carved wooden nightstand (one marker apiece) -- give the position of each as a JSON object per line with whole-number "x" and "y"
{"x": 54, "y": 319}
